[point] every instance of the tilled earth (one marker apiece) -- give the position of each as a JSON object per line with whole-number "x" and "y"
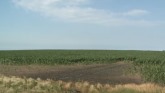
{"x": 115, "y": 73}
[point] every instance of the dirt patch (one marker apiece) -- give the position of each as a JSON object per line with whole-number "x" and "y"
{"x": 96, "y": 73}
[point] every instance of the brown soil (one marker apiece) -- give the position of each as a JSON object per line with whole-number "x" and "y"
{"x": 96, "y": 73}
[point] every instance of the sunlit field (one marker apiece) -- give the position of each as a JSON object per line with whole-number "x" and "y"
{"x": 149, "y": 65}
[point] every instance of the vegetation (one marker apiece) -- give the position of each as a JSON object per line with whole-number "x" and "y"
{"x": 29, "y": 85}
{"x": 49, "y": 57}
{"x": 150, "y": 64}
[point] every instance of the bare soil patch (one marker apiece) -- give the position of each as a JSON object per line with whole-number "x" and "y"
{"x": 96, "y": 73}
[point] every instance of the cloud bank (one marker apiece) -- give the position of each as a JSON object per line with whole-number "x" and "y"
{"x": 79, "y": 11}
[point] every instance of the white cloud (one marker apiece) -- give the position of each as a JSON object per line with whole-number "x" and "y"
{"x": 136, "y": 12}
{"x": 75, "y": 11}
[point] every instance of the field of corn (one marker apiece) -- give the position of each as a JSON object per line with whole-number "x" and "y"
{"x": 150, "y": 64}
{"x": 29, "y": 85}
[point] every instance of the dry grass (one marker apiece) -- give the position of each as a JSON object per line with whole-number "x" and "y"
{"x": 28, "y": 85}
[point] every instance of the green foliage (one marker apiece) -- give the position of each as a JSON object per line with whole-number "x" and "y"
{"x": 50, "y": 57}
{"x": 151, "y": 64}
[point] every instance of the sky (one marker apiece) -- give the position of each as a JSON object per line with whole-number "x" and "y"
{"x": 82, "y": 24}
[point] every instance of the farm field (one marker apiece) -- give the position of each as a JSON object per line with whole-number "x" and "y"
{"x": 112, "y": 67}
{"x": 115, "y": 73}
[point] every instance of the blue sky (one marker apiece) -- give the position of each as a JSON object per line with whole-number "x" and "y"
{"x": 82, "y": 24}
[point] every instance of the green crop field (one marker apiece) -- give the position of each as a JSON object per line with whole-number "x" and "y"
{"x": 150, "y": 64}
{"x": 49, "y": 57}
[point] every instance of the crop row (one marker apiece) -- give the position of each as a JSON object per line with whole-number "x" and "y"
{"x": 50, "y": 57}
